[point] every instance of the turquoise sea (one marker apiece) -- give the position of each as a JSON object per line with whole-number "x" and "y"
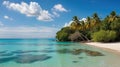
{"x": 49, "y": 53}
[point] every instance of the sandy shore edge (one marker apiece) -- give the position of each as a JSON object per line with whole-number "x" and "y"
{"x": 115, "y": 47}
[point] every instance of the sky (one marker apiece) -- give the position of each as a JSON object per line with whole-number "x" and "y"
{"x": 43, "y": 18}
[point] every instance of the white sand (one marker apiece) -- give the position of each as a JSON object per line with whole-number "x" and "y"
{"x": 113, "y": 46}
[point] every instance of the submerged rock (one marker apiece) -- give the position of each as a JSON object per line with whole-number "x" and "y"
{"x": 27, "y": 51}
{"x": 93, "y": 53}
{"x": 88, "y": 52}
{"x": 75, "y": 61}
{"x": 64, "y": 51}
{"x": 6, "y": 54}
{"x": 48, "y": 51}
{"x": 3, "y": 60}
{"x": 79, "y": 51}
{"x": 80, "y": 57}
{"x": 76, "y": 51}
{"x": 29, "y": 58}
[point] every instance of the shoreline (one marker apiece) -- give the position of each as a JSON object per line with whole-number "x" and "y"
{"x": 111, "y": 47}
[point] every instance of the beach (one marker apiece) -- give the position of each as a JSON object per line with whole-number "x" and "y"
{"x": 111, "y": 46}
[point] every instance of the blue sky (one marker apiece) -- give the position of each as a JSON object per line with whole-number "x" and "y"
{"x": 42, "y": 18}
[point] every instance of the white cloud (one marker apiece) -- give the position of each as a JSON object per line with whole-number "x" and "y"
{"x": 28, "y": 32}
{"x": 7, "y": 17}
{"x": 59, "y": 7}
{"x": 84, "y": 19}
{"x": 45, "y": 16}
{"x": 33, "y": 9}
{"x": 69, "y": 23}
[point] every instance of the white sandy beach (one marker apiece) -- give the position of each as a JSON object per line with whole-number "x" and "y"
{"x": 112, "y": 46}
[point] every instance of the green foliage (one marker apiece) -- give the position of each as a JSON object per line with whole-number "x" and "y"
{"x": 88, "y": 34}
{"x": 75, "y": 18}
{"x": 104, "y": 36}
{"x": 115, "y": 25}
{"x": 96, "y": 17}
{"x": 105, "y": 30}
{"x": 95, "y": 28}
{"x": 113, "y": 13}
{"x": 75, "y": 24}
{"x": 63, "y": 34}
{"x": 105, "y": 25}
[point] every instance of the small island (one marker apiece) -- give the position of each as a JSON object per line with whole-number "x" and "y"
{"x": 60, "y": 33}
{"x": 93, "y": 29}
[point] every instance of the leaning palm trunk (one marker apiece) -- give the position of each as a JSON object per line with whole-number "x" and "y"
{"x": 75, "y": 36}
{"x": 85, "y": 37}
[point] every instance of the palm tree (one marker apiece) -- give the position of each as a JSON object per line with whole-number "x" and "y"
{"x": 78, "y": 25}
{"x": 82, "y": 23}
{"x": 112, "y": 16}
{"x": 88, "y": 25}
{"x": 106, "y": 19}
{"x": 75, "y": 18}
{"x": 75, "y": 24}
{"x": 95, "y": 20}
{"x": 113, "y": 13}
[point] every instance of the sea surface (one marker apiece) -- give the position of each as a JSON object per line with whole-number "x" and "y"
{"x": 49, "y": 53}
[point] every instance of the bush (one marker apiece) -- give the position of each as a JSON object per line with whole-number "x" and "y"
{"x": 104, "y": 36}
{"x": 115, "y": 25}
{"x": 63, "y": 34}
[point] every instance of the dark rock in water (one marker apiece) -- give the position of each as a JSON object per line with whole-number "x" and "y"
{"x": 29, "y": 58}
{"x": 3, "y": 60}
{"x": 19, "y": 51}
{"x": 48, "y": 51}
{"x": 27, "y": 51}
{"x": 6, "y": 54}
{"x": 88, "y": 52}
{"x": 77, "y": 51}
{"x": 93, "y": 53}
{"x": 75, "y": 61}
{"x": 64, "y": 51}
{"x": 80, "y": 57}
{"x": 33, "y": 51}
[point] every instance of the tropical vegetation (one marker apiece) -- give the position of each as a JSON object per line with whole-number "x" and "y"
{"x": 92, "y": 29}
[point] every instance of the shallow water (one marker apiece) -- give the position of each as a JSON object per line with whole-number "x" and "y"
{"x": 49, "y": 53}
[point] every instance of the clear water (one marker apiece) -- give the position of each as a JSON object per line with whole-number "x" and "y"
{"x": 49, "y": 53}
